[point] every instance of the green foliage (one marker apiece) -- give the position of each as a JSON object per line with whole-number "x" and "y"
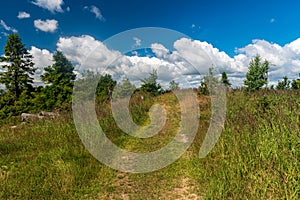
{"x": 59, "y": 79}
{"x": 208, "y": 83}
{"x": 124, "y": 89}
{"x": 19, "y": 68}
{"x": 225, "y": 80}
{"x": 105, "y": 87}
{"x": 150, "y": 84}
{"x": 84, "y": 87}
{"x": 284, "y": 84}
{"x": 257, "y": 75}
{"x": 296, "y": 83}
{"x": 173, "y": 86}
{"x": 203, "y": 88}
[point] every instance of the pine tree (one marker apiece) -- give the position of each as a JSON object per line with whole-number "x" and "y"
{"x": 105, "y": 87}
{"x": 225, "y": 80}
{"x": 173, "y": 86}
{"x": 296, "y": 83}
{"x": 19, "y": 68}
{"x": 124, "y": 89}
{"x": 150, "y": 84}
{"x": 208, "y": 83}
{"x": 285, "y": 84}
{"x": 59, "y": 79}
{"x": 257, "y": 75}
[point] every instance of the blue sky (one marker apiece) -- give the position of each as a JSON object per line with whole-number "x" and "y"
{"x": 226, "y": 25}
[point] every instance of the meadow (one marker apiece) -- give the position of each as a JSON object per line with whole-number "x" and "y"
{"x": 256, "y": 157}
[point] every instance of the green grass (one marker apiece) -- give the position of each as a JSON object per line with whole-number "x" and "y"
{"x": 256, "y": 157}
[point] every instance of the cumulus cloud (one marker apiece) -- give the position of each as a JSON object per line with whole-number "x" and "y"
{"x": 159, "y": 50}
{"x": 284, "y": 60}
{"x": 87, "y": 52}
{"x": 23, "y": 15}
{"x": 202, "y": 55}
{"x": 95, "y": 10}
{"x": 8, "y": 28}
{"x": 188, "y": 61}
{"x": 51, "y": 5}
{"x": 42, "y": 58}
{"x": 47, "y": 25}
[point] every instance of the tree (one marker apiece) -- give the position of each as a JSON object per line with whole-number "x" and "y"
{"x": 59, "y": 79}
{"x": 150, "y": 84}
{"x": 208, "y": 83}
{"x": 203, "y": 88}
{"x": 105, "y": 87}
{"x": 124, "y": 89}
{"x": 285, "y": 84}
{"x": 225, "y": 80}
{"x": 257, "y": 75}
{"x": 19, "y": 68}
{"x": 173, "y": 86}
{"x": 296, "y": 83}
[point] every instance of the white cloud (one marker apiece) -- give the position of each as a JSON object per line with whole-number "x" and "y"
{"x": 90, "y": 54}
{"x": 87, "y": 52}
{"x": 42, "y": 58}
{"x": 51, "y": 5}
{"x": 203, "y": 55}
{"x": 187, "y": 63}
{"x": 284, "y": 60}
{"x": 272, "y": 20}
{"x": 138, "y": 41}
{"x": 195, "y": 27}
{"x": 8, "y": 28}
{"x": 23, "y": 15}
{"x": 95, "y": 10}
{"x": 46, "y": 26}
{"x": 294, "y": 47}
{"x": 159, "y": 50}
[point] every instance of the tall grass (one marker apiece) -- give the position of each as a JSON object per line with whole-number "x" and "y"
{"x": 256, "y": 157}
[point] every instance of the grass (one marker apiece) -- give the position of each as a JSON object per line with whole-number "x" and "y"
{"x": 256, "y": 157}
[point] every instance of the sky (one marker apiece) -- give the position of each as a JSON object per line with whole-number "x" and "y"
{"x": 224, "y": 34}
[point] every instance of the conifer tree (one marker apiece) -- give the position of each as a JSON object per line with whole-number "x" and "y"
{"x": 59, "y": 79}
{"x": 19, "y": 68}
{"x": 257, "y": 75}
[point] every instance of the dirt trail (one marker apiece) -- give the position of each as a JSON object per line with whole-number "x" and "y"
{"x": 184, "y": 192}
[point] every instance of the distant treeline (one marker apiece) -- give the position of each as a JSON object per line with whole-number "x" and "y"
{"x": 20, "y": 95}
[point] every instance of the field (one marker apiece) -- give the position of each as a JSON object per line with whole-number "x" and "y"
{"x": 256, "y": 157}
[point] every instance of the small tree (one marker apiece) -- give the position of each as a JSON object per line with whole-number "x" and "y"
{"x": 257, "y": 75}
{"x": 150, "y": 84}
{"x": 285, "y": 84}
{"x": 105, "y": 87}
{"x": 296, "y": 83}
{"x": 124, "y": 89}
{"x": 173, "y": 86}
{"x": 203, "y": 88}
{"x": 225, "y": 80}
{"x": 59, "y": 77}
{"x": 19, "y": 68}
{"x": 209, "y": 81}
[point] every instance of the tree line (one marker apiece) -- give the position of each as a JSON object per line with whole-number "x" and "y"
{"x": 20, "y": 94}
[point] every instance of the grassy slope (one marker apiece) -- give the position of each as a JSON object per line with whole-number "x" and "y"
{"x": 257, "y": 156}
